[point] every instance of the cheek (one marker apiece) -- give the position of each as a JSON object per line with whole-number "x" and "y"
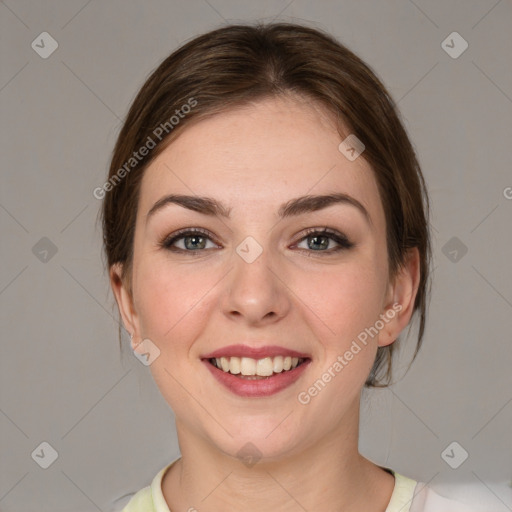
{"x": 346, "y": 299}
{"x": 346, "y": 303}
{"x": 170, "y": 303}
{"x": 172, "y": 315}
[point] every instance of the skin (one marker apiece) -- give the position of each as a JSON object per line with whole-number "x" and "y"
{"x": 254, "y": 159}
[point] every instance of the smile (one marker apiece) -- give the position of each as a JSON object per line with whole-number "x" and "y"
{"x": 256, "y": 368}
{"x": 256, "y": 371}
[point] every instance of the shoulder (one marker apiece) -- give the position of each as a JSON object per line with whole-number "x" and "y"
{"x": 141, "y": 502}
{"x": 412, "y": 496}
{"x": 151, "y": 498}
{"x": 427, "y": 500}
{"x": 403, "y": 493}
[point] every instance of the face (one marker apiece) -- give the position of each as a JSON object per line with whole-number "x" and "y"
{"x": 265, "y": 279}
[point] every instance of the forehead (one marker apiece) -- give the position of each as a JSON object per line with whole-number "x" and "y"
{"x": 260, "y": 154}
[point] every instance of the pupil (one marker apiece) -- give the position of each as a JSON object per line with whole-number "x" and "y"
{"x": 325, "y": 240}
{"x": 191, "y": 240}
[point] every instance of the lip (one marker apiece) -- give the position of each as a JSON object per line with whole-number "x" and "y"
{"x": 257, "y": 388}
{"x": 254, "y": 352}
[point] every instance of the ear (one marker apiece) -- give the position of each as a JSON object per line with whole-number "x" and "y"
{"x": 400, "y": 298}
{"x": 124, "y": 301}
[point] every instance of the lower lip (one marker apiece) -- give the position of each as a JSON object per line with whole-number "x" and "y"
{"x": 257, "y": 387}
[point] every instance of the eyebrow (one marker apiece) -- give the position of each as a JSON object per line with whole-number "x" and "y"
{"x": 297, "y": 206}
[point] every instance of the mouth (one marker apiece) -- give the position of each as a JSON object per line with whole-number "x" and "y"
{"x": 256, "y": 369}
{"x": 256, "y": 372}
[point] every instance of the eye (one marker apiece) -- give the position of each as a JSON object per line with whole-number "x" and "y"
{"x": 188, "y": 240}
{"x": 324, "y": 240}
{"x": 192, "y": 240}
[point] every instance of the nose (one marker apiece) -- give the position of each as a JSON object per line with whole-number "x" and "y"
{"x": 256, "y": 293}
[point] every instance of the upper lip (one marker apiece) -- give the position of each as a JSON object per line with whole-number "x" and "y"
{"x": 254, "y": 352}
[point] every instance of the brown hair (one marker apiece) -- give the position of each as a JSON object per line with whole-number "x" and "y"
{"x": 238, "y": 64}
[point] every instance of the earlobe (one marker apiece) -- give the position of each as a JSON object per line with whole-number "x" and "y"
{"x": 390, "y": 333}
{"x": 123, "y": 298}
{"x": 401, "y": 298}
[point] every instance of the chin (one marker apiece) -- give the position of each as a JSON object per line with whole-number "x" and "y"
{"x": 259, "y": 439}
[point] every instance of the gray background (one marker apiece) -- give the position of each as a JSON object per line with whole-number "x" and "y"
{"x": 63, "y": 380}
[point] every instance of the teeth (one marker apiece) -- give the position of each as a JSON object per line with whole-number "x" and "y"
{"x": 265, "y": 367}
{"x": 234, "y": 365}
{"x": 278, "y": 364}
{"x": 248, "y": 366}
{"x": 261, "y": 367}
{"x": 224, "y": 363}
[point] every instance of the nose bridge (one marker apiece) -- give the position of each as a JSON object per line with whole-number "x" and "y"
{"x": 255, "y": 291}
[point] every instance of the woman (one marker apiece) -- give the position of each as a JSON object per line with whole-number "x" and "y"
{"x": 266, "y": 230}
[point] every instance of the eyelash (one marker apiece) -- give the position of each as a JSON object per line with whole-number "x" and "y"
{"x": 343, "y": 242}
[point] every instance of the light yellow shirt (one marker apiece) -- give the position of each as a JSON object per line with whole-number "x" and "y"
{"x": 408, "y": 496}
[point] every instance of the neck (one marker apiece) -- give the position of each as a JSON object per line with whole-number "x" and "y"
{"x": 329, "y": 474}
